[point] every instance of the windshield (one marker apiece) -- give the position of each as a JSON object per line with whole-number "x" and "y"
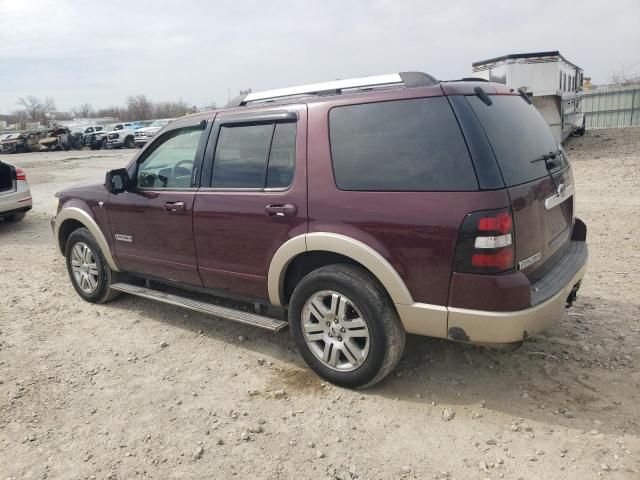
{"x": 159, "y": 123}
{"x": 518, "y": 135}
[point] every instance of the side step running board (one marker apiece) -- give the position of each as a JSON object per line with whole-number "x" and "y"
{"x": 240, "y": 316}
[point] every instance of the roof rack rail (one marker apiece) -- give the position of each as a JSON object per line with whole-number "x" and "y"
{"x": 467, "y": 79}
{"x": 336, "y": 87}
{"x": 474, "y": 79}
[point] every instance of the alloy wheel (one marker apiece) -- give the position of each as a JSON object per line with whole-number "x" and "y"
{"x": 335, "y": 331}
{"x": 84, "y": 267}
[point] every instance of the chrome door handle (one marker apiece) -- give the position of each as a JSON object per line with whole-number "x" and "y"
{"x": 175, "y": 207}
{"x": 286, "y": 210}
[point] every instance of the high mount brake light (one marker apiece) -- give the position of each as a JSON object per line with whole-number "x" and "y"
{"x": 485, "y": 242}
{"x": 20, "y": 175}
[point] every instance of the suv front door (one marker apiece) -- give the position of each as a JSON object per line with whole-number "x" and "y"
{"x": 151, "y": 222}
{"x": 254, "y": 198}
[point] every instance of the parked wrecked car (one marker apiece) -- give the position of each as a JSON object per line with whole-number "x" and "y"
{"x": 61, "y": 138}
{"x": 22, "y": 142}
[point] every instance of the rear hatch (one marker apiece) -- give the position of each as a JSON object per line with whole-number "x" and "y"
{"x": 7, "y": 178}
{"x": 541, "y": 192}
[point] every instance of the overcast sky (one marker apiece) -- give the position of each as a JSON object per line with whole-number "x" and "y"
{"x": 99, "y": 52}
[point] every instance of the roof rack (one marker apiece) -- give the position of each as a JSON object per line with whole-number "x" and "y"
{"x": 336, "y": 87}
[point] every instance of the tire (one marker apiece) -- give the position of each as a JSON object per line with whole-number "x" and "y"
{"x": 376, "y": 342}
{"x": 14, "y": 217}
{"x": 129, "y": 142}
{"x": 103, "y": 276}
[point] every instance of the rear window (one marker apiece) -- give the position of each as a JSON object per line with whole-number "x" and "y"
{"x": 518, "y": 135}
{"x": 406, "y": 145}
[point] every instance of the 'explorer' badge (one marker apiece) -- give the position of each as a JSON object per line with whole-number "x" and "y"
{"x": 528, "y": 261}
{"x": 124, "y": 238}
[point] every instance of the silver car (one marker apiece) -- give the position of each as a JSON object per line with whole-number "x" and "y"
{"x": 15, "y": 195}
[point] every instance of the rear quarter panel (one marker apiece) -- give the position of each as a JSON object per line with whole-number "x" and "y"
{"x": 415, "y": 231}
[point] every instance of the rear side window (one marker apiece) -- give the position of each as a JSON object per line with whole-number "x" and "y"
{"x": 405, "y": 145}
{"x": 282, "y": 156}
{"x": 518, "y": 135}
{"x": 255, "y": 156}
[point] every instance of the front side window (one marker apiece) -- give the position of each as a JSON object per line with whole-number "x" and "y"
{"x": 255, "y": 156}
{"x": 170, "y": 163}
{"x": 405, "y": 145}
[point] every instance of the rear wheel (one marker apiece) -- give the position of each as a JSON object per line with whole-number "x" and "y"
{"x": 345, "y": 326}
{"x": 88, "y": 270}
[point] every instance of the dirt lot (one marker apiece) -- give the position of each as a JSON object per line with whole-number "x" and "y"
{"x": 135, "y": 389}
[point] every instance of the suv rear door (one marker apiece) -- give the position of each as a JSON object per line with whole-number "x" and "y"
{"x": 253, "y": 196}
{"x": 542, "y": 200}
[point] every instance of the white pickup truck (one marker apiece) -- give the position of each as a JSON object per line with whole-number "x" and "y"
{"x": 122, "y": 135}
{"x": 144, "y": 134}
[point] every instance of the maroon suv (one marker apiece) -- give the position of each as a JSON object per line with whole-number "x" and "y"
{"x": 353, "y": 211}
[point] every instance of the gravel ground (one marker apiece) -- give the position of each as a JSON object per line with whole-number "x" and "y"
{"x": 136, "y": 389}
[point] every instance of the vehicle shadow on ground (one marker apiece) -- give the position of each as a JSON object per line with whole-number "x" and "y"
{"x": 33, "y": 229}
{"x": 548, "y": 379}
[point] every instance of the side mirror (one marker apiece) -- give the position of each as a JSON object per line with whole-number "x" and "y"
{"x": 116, "y": 181}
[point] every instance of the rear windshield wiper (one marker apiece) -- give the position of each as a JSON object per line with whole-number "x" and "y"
{"x": 545, "y": 157}
{"x": 549, "y": 165}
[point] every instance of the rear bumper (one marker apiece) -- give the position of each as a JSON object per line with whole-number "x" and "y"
{"x": 549, "y": 297}
{"x": 17, "y": 201}
{"x": 14, "y": 211}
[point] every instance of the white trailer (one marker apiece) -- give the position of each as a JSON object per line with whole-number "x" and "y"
{"x": 553, "y": 83}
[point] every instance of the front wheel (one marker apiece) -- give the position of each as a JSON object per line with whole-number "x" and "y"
{"x": 88, "y": 270}
{"x": 129, "y": 142}
{"x": 345, "y": 326}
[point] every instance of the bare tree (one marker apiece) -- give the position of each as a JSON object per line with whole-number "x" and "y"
{"x": 83, "y": 111}
{"x": 170, "y": 109}
{"x": 625, "y": 75}
{"x": 37, "y": 110}
{"x": 19, "y": 116}
{"x": 62, "y": 116}
{"x": 139, "y": 107}
{"x": 113, "y": 112}
{"x": 211, "y": 105}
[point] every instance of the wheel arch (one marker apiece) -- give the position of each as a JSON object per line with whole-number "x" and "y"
{"x": 71, "y": 218}
{"x": 341, "y": 246}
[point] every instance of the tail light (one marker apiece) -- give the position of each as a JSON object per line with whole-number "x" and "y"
{"x": 20, "y": 175}
{"x": 485, "y": 242}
